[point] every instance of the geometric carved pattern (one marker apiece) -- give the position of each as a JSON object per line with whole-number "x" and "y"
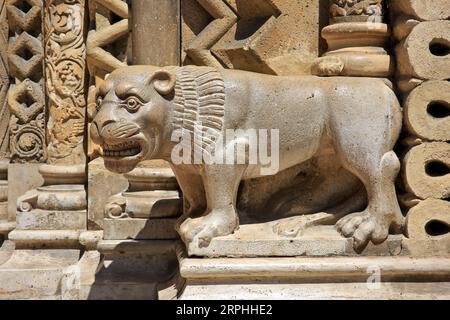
{"x": 65, "y": 80}
{"x": 26, "y": 96}
{"x": 108, "y": 44}
{"x": 4, "y": 82}
{"x": 250, "y": 35}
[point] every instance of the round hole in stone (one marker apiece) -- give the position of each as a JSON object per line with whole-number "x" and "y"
{"x": 436, "y": 228}
{"x": 436, "y": 169}
{"x": 439, "y": 109}
{"x": 440, "y": 47}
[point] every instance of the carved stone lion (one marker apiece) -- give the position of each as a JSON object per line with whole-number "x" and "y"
{"x": 359, "y": 118}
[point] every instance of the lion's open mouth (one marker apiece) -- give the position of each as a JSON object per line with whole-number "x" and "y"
{"x": 124, "y": 149}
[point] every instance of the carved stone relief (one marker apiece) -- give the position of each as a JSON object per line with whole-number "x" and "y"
{"x": 4, "y": 82}
{"x": 262, "y": 36}
{"x": 422, "y": 32}
{"x": 200, "y": 94}
{"x": 356, "y": 10}
{"x": 4, "y": 118}
{"x": 65, "y": 55}
{"x": 26, "y": 97}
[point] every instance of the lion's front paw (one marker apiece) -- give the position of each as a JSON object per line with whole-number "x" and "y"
{"x": 200, "y": 231}
{"x": 363, "y": 227}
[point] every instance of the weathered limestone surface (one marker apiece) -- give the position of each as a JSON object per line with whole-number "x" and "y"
{"x": 65, "y": 64}
{"x": 276, "y": 37}
{"x": 325, "y": 224}
{"x": 422, "y": 56}
{"x": 102, "y": 184}
{"x": 356, "y": 38}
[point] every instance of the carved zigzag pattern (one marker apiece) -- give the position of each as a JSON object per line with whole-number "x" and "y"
{"x": 26, "y": 95}
{"x": 253, "y": 35}
{"x": 105, "y": 34}
{"x": 232, "y": 38}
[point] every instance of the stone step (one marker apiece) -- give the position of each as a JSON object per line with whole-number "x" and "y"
{"x": 35, "y": 274}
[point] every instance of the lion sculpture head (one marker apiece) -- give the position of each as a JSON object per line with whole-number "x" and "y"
{"x": 140, "y": 106}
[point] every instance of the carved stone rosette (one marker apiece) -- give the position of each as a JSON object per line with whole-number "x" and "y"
{"x": 26, "y": 96}
{"x": 65, "y": 80}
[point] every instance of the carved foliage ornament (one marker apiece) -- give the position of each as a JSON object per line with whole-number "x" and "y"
{"x": 342, "y": 8}
{"x": 65, "y": 75}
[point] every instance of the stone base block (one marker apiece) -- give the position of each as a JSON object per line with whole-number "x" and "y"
{"x": 259, "y": 240}
{"x": 33, "y": 239}
{"x": 132, "y": 269}
{"x": 35, "y": 274}
{"x": 38, "y": 219}
{"x": 6, "y": 251}
{"x": 130, "y": 228}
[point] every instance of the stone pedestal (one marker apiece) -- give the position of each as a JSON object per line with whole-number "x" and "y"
{"x": 356, "y": 39}
{"x": 49, "y": 222}
{"x": 148, "y": 209}
{"x": 259, "y": 240}
{"x": 5, "y": 224}
{"x": 53, "y": 215}
{"x": 126, "y": 269}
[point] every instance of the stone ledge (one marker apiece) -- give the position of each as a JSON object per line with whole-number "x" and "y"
{"x": 318, "y": 291}
{"x": 6, "y": 227}
{"x": 317, "y": 268}
{"x": 45, "y": 238}
{"x": 142, "y": 229}
{"x": 150, "y": 247}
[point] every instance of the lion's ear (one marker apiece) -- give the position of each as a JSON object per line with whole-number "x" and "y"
{"x": 163, "y": 81}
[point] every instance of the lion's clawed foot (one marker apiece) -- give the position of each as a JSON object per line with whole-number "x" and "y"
{"x": 364, "y": 227}
{"x": 200, "y": 231}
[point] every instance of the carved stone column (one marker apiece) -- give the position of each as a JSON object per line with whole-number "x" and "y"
{"x": 5, "y": 225}
{"x": 63, "y": 196}
{"x": 356, "y": 37}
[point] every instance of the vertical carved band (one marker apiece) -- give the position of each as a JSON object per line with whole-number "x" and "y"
{"x": 26, "y": 97}
{"x": 4, "y": 82}
{"x": 65, "y": 80}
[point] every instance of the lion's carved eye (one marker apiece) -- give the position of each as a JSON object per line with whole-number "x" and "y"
{"x": 99, "y": 101}
{"x": 132, "y": 104}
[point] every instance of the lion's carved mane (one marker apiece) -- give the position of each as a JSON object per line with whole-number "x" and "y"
{"x": 199, "y": 104}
